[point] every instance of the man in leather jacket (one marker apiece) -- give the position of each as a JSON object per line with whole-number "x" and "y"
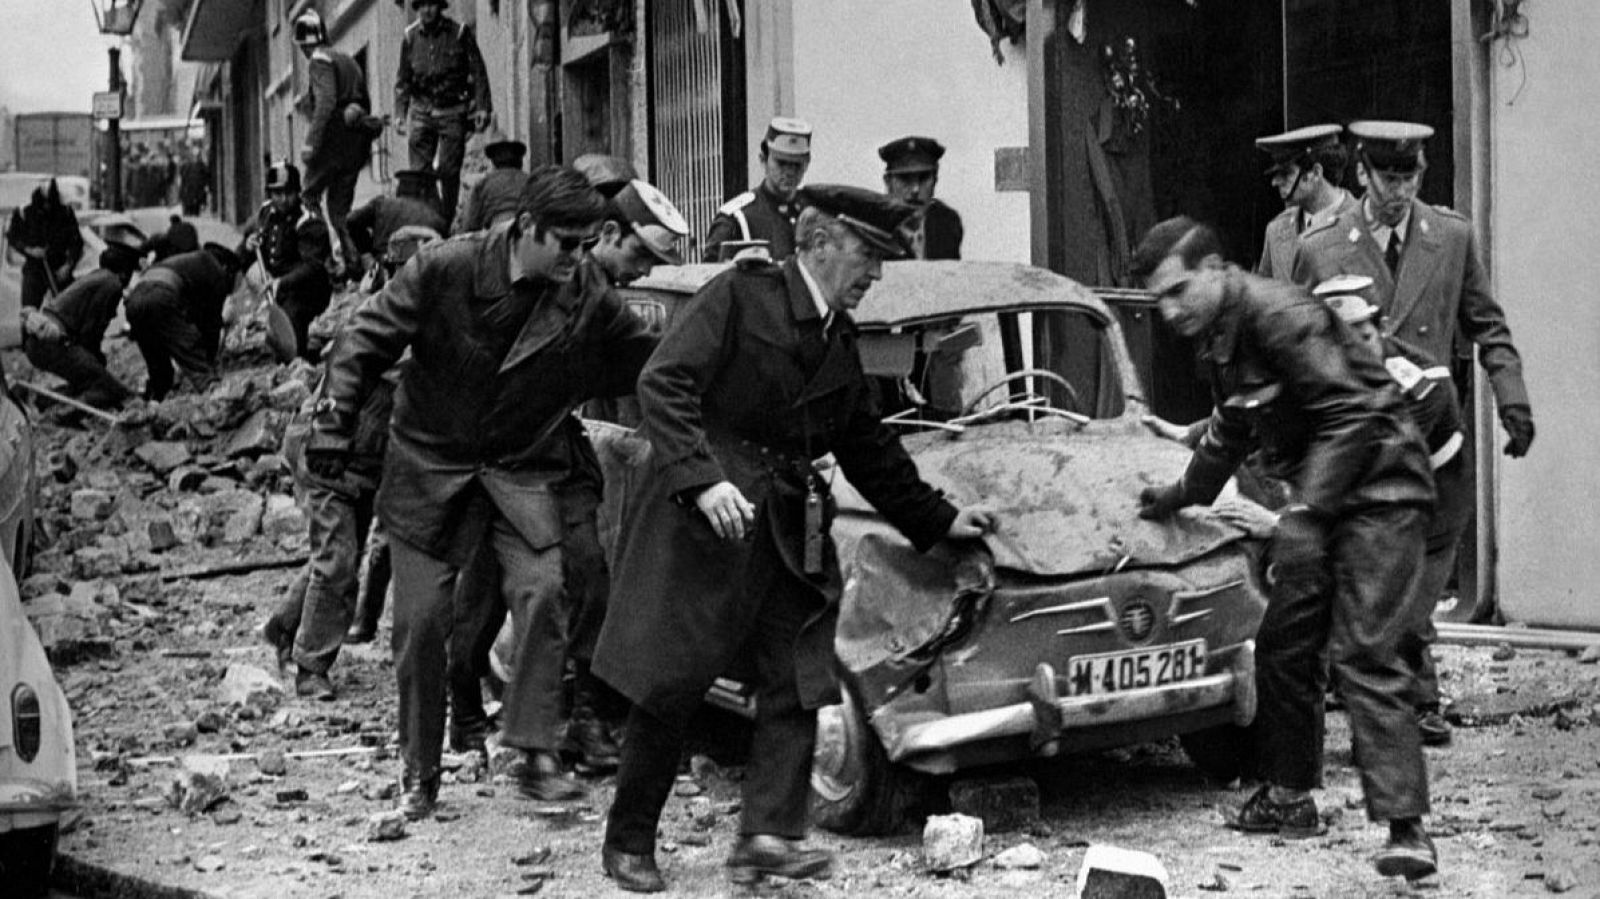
{"x": 1346, "y": 560}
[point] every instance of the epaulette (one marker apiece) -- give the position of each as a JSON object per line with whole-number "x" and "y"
{"x": 413, "y": 26}
{"x": 1448, "y": 212}
{"x": 737, "y": 203}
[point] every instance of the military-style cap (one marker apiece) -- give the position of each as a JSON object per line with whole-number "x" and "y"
{"x": 1290, "y": 147}
{"x": 418, "y": 4}
{"x": 1343, "y": 294}
{"x": 501, "y": 146}
{"x": 653, "y": 218}
{"x": 608, "y": 174}
{"x": 788, "y": 137}
{"x": 1390, "y": 146}
{"x": 876, "y": 218}
{"x": 309, "y": 29}
{"x": 282, "y": 175}
{"x": 911, "y": 154}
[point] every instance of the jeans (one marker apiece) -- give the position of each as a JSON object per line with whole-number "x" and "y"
{"x": 441, "y": 132}
{"x": 340, "y": 518}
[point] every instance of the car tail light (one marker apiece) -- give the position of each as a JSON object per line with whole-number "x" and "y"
{"x": 26, "y": 722}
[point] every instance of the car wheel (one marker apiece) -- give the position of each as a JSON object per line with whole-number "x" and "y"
{"x": 855, "y": 789}
{"x": 26, "y": 856}
{"x": 1223, "y": 753}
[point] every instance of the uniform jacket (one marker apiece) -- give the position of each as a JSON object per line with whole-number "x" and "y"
{"x": 941, "y": 232}
{"x": 473, "y": 431}
{"x": 497, "y": 193}
{"x": 1430, "y": 396}
{"x": 746, "y": 388}
{"x": 441, "y": 68}
{"x": 1283, "y": 234}
{"x": 371, "y": 225}
{"x": 86, "y": 307}
{"x": 332, "y": 142}
{"x": 276, "y": 237}
{"x": 756, "y": 214}
{"x": 1327, "y": 415}
{"x": 1440, "y": 302}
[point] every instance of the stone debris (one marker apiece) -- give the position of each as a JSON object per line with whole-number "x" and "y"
{"x": 1110, "y": 872}
{"x": 195, "y": 793}
{"x": 950, "y": 842}
{"x": 248, "y": 685}
{"x": 272, "y": 763}
{"x": 1560, "y": 880}
{"x": 89, "y": 504}
{"x": 383, "y": 827}
{"x": 1022, "y": 857}
{"x": 1503, "y": 652}
{"x": 163, "y": 455}
{"x": 1590, "y": 654}
{"x": 207, "y": 864}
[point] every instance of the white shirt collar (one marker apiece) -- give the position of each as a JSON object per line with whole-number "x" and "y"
{"x": 824, "y": 311}
{"x": 1380, "y": 231}
{"x": 1313, "y": 219}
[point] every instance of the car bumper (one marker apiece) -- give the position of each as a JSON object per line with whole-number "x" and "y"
{"x": 29, "y": 804}
{"x": 1046, "y": 717}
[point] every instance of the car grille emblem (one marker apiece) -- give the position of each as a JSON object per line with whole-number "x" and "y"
{"x": 1137, "y": 620}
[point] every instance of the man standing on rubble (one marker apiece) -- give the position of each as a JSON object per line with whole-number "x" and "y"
{"x": 340, "y": 134}
{"x": 1346, "y": 558}
{"x": 508, "y": 334}
{"x": 442, "y": 86}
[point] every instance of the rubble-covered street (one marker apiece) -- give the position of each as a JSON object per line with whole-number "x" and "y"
{"x": 171, "y": 536}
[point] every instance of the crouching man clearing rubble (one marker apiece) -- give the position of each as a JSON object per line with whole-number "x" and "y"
{"x": 1346, "y": 561}
{"x": 508, "y": 334}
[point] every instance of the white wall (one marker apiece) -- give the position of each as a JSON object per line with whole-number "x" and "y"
{"x": 866, "y": 73}
{"x": 1545, "y": 215}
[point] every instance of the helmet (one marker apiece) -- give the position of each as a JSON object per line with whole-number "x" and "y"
{"x": 282, "y": 175}
{"x": 308, "y": 28}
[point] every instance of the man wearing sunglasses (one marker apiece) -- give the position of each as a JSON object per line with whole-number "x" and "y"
{"x": 508, "y": 331}
{"x": 1346, "y": 561}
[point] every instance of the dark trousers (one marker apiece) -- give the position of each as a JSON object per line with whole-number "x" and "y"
{"x": 478, "y": 616}
{"x": 777, "y": 781}
{"x": 36, "y": 283}
{"x": 303, "y": 294}
{"x": 374, "y": 575}
{"x": 424, "y": 616}
{"x": 1368, "y": 622}
{"x": 165, "y": 334}
{"x": 331, "y": 192}
{"x": 444, "y": 133}
{"x": 86, "y": 374}
{"x": 1451, "y": 512}
{"x": 340, "y": 518}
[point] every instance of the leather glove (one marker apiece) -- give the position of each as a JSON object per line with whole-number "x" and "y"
{"x": 328, "y": 464}
{"x": 1300, "y": 549}
{"x": 1159, "y": 503}
{"x": 1518, "y": 422}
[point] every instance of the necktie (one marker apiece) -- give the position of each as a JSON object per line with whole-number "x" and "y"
{"x": 1391, "y": 254}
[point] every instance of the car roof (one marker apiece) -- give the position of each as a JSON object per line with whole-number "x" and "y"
{"x": 914, "y": 292}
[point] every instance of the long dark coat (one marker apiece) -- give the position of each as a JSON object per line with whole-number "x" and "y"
{"x": 473, "y": 429}
{"x": 941, "y": 232}
{"x": 745, "y": 388}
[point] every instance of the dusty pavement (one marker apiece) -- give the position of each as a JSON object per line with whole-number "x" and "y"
{"x": 199, "y": 773}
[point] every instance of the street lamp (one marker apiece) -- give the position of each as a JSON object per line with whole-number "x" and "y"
{"x": 115, "y": 19}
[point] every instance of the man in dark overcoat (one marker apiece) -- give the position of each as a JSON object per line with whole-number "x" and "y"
{"x": 1346, "y": 559}
{"x": 726, "y": 558}
{"x": 508, "y": 334}
{"x": 911, "y": 173}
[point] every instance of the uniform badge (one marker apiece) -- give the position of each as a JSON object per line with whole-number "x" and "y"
{"x": 1405, "y": 372}
{"x": 1355, "y": 235}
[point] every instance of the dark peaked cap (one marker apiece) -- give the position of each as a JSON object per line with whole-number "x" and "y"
{"x": 1291, "y": 147}
{"x": 876, "y": 218}
{"x": 1391, "y": 146}
{"x": 911, "y": 154}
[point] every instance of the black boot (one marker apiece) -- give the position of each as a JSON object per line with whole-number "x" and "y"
{"x": 588, "y": 739}
{"x": 1409, "y": 853}
{"x": 418, "y": 795}
{"x": 370, "y": 593}
{"x": 758, "y": 855}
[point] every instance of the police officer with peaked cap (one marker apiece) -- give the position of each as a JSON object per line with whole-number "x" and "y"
{"x": 727, "y": 556}
{"x": 911, "y": 172}
{"x": 768, "y": 211}
{"x": 1424, "y": 262}
{"x": 1307, "y": 165}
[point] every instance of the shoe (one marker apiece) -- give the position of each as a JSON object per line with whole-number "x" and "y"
{"x": 418, "y": 796}
{"x": 1409, "y": 853}
{"x": 589, "y": 742}
{"x": 759, "y": 855}
{"x": 360, "y": 632}
{"x": 311, "y": 685}
{"x": 540, "y": 777}
{"x": 470, "y": 738}
{"x": 1296, "y": 820}
{"x": 1435, "y": 729}
{"x": 281, "y": 641}
{"x": 634, "y": 873}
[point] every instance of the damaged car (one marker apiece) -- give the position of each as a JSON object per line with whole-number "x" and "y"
{"x": 1076, "y": 626}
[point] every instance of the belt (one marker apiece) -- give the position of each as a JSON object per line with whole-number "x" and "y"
{"x": 430, "y": 109}
{"x": 778, "y": 460}
{"x": 1442, "y": 456}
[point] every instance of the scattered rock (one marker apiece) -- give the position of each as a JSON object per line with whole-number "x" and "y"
{"x": 209, "y": 765}
{"x": 91, "y": 505}
{"x": 1503, "y": 653}
{"x": 1109, "y": 872}
{"x": 686, "y": 788}
{"x": 162, "y": 455}
{"x": 1003, "y": 803}
{"x": 702, "y": 813}
{"x": 248, "y": 685}
{"x": 182, "y": 733}
{"x": 209, "y": 722}
{"x": 195, "y": 793}
{"x": 253, "y": 438}
{"x": 1217, "y": 884}
{"x": 1590, "y": 654}
{"x": 227, "y": 815}
{"x": 96, "y": 562}
{"x": 289, "y": 395}
{"x": 381, "y": 792}
{"x": 383, "y": 827}
{"x": 282, "y": 518}
{"x": 1024, "y": 857}
{"x": 185, "y": 478}
{"x": 207, "y": 864}
{"x": 951, "y": 841}
{"x": 296, "y": 794}
{"x": 1546, "y": 793}
{"x": 63, "y": 468}
{"x": 1560, "y": 880}
{"x": 272, "y": 763}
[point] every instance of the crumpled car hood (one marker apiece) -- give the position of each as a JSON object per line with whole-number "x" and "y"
{"x": 1067, "y": 498}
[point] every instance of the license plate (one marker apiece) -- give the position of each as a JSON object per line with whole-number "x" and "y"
{"x": 1114, "y": 672}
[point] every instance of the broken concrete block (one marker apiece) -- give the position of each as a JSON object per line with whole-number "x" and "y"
{"x": 1109, "y": 872}
{"x": 282, "y": 518}
{"x": 91, "y": 505}
{"x": 162, "y": 455}
{"x": 289, "y": 395}
{"x": 194, "y": 793}
{"x": 162, "y": 532}
{"x": 236, "y": 512}
{"x": 103, "y": 479}
{"x": 1025, "y": 857}
{"x": 96, "y": 561}
{"x": 951, "y": 841}
{"x": 272, "y": 763}
{"x": 211, "y": 765}
{"x": 248, "y": 685}
{"x": 185, "y": 478}
{"x": 253, "y": 438}
{"x": 1003, "y": 803}
{"x": 383, "y": 827}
